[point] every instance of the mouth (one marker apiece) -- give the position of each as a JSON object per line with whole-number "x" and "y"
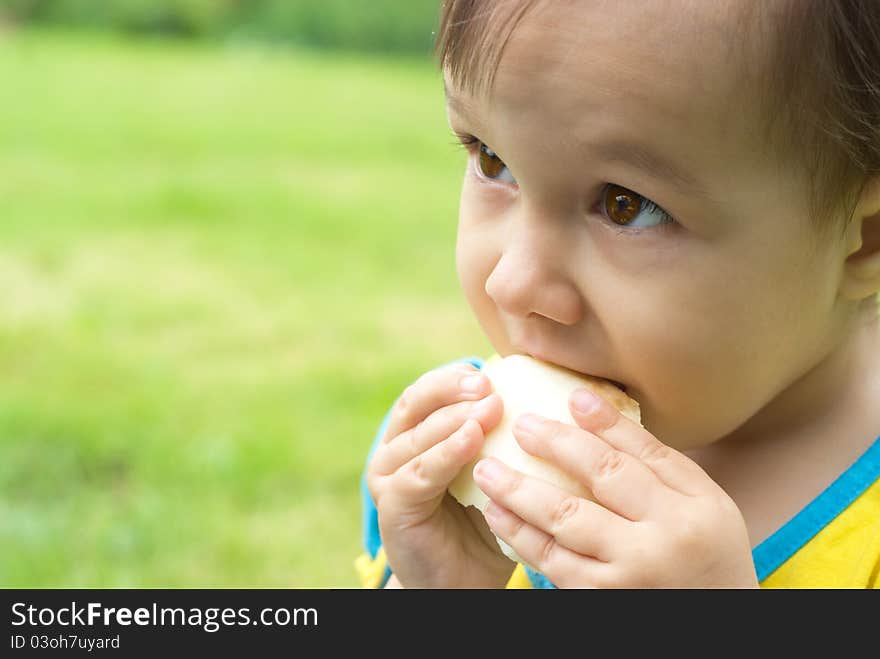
{"x": 537, "y": 355}
{"x": 618, "y": 385}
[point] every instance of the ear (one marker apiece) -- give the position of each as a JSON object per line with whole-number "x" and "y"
{"x": 861, "y": 270}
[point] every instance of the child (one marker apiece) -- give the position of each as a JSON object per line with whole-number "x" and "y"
{"x": 684, "y": 198}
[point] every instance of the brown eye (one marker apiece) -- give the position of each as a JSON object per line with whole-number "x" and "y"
{"x": 621, "y": 206}
{"x": 490, "y": 164}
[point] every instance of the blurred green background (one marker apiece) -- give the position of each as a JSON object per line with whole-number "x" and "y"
{"x": 226, "y": 246}
{"x": 399, "y": 26}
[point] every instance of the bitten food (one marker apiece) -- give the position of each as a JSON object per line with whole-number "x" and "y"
{"x": 526, "y": 384}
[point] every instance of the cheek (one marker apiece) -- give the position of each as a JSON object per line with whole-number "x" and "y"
{"x": 471, "y": 254}
{"x": 476, "y": 254}
{"x": 470, "y": 263}
{"x": 705, "y": 353}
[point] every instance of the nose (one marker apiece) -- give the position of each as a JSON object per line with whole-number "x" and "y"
{"x": 532, "y": 274}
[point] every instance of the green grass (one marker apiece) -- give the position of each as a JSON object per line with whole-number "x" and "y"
{"x": 218, "y": 268}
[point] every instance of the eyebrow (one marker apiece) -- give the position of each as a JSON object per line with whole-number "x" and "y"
{"x": 625, "y": 152}
{"x": 654, "y": 165}
{"x": 456, "y": 104}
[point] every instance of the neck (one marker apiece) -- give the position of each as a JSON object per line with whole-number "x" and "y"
{"x": 785, "y": 455}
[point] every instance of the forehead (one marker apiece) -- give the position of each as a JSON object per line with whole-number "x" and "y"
{"x": 683, "y": 69}
{"x": 673, "y": 54}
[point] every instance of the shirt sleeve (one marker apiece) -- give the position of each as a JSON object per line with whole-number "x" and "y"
{"x": 372, "y": 565}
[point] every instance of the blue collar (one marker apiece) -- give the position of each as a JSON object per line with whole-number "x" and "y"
{"x": 817, "y": 514}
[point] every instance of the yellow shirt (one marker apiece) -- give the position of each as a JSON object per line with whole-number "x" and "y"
{"x": 834, "y": 542}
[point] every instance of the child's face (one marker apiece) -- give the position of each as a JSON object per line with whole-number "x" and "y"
{"x": 705, "y": 319}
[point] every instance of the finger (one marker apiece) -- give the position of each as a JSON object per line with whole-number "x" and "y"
{"x": 616, "y": 479}
{"x": 564, "y": 567}
{"x": 581, "y": 525}
{"x": 428, "y": 474}
{"x": 598, "y": 416}
{"x": 438, "y": 426}
{"x": 433, "y": 390}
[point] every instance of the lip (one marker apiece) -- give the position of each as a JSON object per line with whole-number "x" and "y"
{"x": 537, "y": 354}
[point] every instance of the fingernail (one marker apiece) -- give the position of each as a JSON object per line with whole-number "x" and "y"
{"x": 528, "y": 424}
{"x": 584, "y": 401}
{"x": 489, "y": 470}
{"x": 472, "y": 384}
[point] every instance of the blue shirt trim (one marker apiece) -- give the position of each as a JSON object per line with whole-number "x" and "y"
{"x": 801, "y": 528}
{"x": 537, "y": 579}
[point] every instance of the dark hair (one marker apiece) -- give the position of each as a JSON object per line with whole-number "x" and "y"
{"x": 821, "y": 97}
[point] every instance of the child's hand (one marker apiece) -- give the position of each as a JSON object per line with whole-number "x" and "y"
{"x": 436, "y": 427}
{"x": 658, "y": 519}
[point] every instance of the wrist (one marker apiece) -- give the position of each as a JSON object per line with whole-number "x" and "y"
{"x": 494, "y": 579}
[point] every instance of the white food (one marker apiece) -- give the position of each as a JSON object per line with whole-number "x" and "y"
{"x": 525, "y": 385}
